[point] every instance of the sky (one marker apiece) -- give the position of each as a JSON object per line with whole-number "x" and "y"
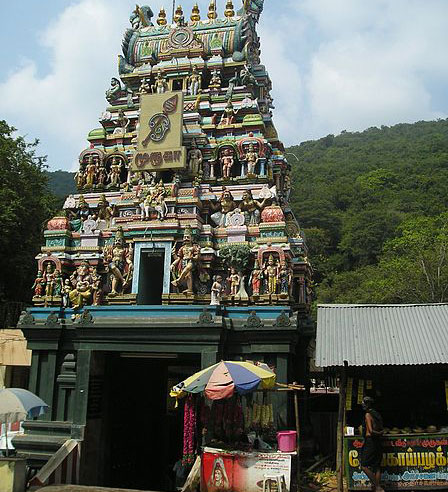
{"x": 335, "y": 65}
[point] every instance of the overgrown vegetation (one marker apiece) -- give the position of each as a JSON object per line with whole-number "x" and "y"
{"x": 25, "y": 206}
{"x": 373, "y": 206}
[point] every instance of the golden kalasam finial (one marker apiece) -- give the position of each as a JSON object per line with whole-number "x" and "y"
{"x": 229, "y": 12}
{"x": 195, "y": 13}
{"x": 212, "y": 10}
{"x": 161, "y": 20}
{"x": 178, "y": 14}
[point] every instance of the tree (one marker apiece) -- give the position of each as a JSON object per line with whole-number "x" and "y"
{"x": 25, "y": 205}
{"x": 413, "y": 268}
{"x": 415, "y": 264}
{"x": 237, "y": 256}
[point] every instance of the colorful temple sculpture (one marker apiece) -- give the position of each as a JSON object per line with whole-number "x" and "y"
{"x": 181, "y": 240}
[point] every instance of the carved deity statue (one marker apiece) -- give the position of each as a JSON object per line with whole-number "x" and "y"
{"x": 283, "y": 276}
{"x": 115, "y": 172}
{"x": 216, "y": 291}
{"x": 122, "y": 123}
{"x": 228, "y": 117}
{"x": 255, "y": 279}
{"x": 160, "y": 85}
{"x": 48, "y": 278}
{"x": 252, "y": 159}
{"x": 224, "y": 209}
{"x": 227, "y": 161}
{"x": 115, "y": 90}
{"x": 271, "y": 275}
{"x": 159, "y": 201}
{"x": 57, "y": 283}
{"x": 101, "y": 176}
{"x": 119, "y": 263}
{"x": 90, "y": 172}
{"x": 104, "y": 211}
{"x": 154, "y": 201}
{"x": 141, "y": 17}
{"x": 80, "y": 178}
{"x": 252, "y": 208}
{"x": 195, "y": 159}
{"x": 187, "y": 260}
{"x": 215, "y": 81}
{"x": 66, "y": 293}
{"x": 235, "y": 282}
{"x": 248, "y": 79}
{"x": 145, "y": 86}
{"x": 82, "y": 281}
{"x": 39, "y": 284}
{"x": 194, "y": 82}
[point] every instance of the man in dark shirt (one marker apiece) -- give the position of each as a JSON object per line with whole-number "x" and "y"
{"x": 371, "y": 454}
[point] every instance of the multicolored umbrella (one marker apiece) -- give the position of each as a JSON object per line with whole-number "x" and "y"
{"x": 224, "y": 378}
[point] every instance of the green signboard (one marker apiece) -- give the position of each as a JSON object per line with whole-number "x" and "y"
{"x": 409, "y": 462}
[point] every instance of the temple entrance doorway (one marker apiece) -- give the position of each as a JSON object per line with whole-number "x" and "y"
{"x": 143, "y": 432}
{"x": 150, "y": 282}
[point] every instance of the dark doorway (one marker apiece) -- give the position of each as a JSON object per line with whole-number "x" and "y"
{"x": 150, "y": 282}
{"x": 143, "y": 430}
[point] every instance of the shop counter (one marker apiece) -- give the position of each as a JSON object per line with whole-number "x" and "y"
{"x": 410, "y": 461}
{"x": 241, "y": 471}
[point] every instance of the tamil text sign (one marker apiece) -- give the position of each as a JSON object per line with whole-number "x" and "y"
{"x": 408, "y": 463}
{"x": 159, "y": 141}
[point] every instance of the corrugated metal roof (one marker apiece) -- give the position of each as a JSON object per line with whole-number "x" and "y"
{"x": 372, "y": 335}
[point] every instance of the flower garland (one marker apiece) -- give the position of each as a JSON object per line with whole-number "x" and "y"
{"x": 189, "y": 431}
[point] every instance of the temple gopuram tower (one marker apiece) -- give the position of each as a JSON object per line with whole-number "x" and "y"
{"x": 180, "y": 248}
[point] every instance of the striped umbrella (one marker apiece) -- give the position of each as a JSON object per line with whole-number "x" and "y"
{"x": 224, "y": 378}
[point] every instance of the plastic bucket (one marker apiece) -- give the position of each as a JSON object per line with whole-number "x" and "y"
{"x": 287, "y": 441}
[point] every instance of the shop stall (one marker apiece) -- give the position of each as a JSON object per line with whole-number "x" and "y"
{"x": 413, "y": 403}
{"x": 396, "y": 355}
{"x": 229, "y": 421}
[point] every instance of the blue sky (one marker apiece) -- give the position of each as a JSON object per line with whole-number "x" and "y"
{"x": 335, "y": 64}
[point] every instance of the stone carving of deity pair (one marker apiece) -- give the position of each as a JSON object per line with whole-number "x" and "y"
{"x": 273, "y": 277}
{"x": 249, "y": 160}
{"x": 75, "y": 291}
{"x": 160, "y": 85}
{"x": 249, "y": 208}
{"x": 84, "y": 286}
{"x": 49, "y": 282}
{"x": 94, "y": 174}
{"x": 154, "y": 201}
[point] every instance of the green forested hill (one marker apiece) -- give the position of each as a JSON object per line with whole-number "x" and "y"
{"x": 61, "y": 183}
{"x": 359, "y": 194}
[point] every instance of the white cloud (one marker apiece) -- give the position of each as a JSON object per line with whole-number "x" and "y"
{"x": 335, "y": 64}
{"x": 375, "y": 63}
{"x": 63, "y": 105}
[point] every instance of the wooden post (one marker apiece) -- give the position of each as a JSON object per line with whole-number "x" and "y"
{"x": 340, "y": 431}
{"x": 296, "y": 411}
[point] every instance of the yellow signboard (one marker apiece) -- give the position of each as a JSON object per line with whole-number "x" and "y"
{"x": 159, "y": 142}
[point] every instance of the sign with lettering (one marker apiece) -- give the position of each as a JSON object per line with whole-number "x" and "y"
{"x": 409, "y": 462}
{"x": 159, "y": 141}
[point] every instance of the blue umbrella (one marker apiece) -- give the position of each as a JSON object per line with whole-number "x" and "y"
{"x": 17, "y": 404}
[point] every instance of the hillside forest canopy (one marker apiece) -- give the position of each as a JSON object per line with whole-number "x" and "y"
{"x": 373, "y": 207}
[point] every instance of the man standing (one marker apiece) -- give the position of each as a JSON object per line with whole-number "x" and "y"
{"x": 371, "y": 453}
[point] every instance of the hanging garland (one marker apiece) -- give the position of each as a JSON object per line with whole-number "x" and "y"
{"x": 189, "y": 432}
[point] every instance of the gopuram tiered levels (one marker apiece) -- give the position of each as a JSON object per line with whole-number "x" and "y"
{"x": 179, "y": 249}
